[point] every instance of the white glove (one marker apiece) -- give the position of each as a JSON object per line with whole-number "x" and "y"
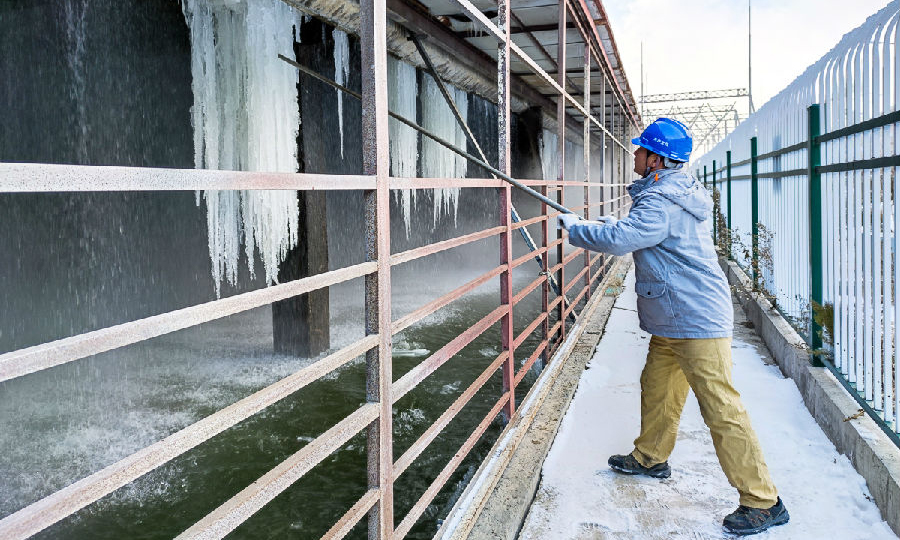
{"x": 564, "y": 221}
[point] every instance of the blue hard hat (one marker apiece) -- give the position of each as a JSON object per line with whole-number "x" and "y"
{"x": 668, "y": 138}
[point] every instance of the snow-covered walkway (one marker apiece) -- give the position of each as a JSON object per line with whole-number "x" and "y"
{"x": 580, "y": 498}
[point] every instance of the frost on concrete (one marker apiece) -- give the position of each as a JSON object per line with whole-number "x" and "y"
{"x": 580, "y": 497}
{"x": 245, "y": 117}
{"x": 404, "y": 140}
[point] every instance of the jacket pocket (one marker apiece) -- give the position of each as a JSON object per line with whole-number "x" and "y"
{"x": 653, "y": 303}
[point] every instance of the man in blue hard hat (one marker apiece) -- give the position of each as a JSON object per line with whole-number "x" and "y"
{"x": 684, "y": 302}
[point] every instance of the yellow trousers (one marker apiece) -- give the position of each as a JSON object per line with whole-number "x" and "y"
{"x": 674, "y": 365}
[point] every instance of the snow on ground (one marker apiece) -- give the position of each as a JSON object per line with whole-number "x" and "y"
{"x": 581, "y": 498}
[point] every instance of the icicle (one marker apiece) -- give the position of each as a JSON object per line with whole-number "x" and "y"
{"x": 341, "y": 70}
{"x": 245, "y": 117}
{"x": 437, "y": 161}
{"x": 403, "y": 139}
{"x": 549, "y": 155}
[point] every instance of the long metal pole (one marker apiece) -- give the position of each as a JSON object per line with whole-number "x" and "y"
{"x": 453, "y": 148}
{"x": 376, "y": 161}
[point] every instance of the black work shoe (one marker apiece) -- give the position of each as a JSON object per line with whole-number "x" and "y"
{"x": 628, "y": 465}
{"x": 746, "y": 520}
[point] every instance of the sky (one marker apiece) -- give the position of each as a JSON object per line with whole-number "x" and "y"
{"x": 702, "y": 44}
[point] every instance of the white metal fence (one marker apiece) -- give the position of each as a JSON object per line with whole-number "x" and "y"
{"x": 808, "y": 190}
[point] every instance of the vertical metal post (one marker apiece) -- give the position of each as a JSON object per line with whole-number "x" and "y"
{"x": 715, "y": 206}
{"x": 503, "y": 132}
{"x": 561, "y": 152}
{"x": 376, "y": 161}
{"x": 604, "y": 210}
{"x": 705, "y": 183}
{"x": 587, "y": 162}
{"x": 814, "y": 153}
{"x": 754, "y": 211}
{"x": 728, "y": 186}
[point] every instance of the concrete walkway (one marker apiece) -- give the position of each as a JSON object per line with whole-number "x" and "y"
{"x": 580, "y": 498}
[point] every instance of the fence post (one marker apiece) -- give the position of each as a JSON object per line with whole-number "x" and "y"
{"x": 728, "y": 185}
{"x": 715, "y": 206}
{"x": 376, "y": 162}
{"x": 754, "y": 212}
{"x": 814, "y": 153}
{"x": 705, "y": 183}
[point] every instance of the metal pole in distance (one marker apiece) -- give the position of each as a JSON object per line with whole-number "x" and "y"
{"x": 561, "y": 152}
{"x": 754, "y": 211}
{"x": 376, "y": 161}
{"x": 715, "y": 205}
{"x": 705, "y": 183}
{"x": 503, "y": 132}
{"x": 814, "y": 153}
{"x": 728, "y": 186}
{"x": 587, "y": 163}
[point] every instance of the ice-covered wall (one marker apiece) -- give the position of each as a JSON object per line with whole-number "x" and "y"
{"x": 245, "y": 117}
{"x": 404, "y": 140}
{"x": 437, "y": 161}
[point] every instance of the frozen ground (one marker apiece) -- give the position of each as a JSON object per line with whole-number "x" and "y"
{"x": 580, "y": 498}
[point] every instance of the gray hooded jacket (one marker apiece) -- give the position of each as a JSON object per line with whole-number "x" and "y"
{"x": 682, "y": 291}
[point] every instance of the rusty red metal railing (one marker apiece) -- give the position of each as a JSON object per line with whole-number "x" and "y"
{"x": 579, "y": 272}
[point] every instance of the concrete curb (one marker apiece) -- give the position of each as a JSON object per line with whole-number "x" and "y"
{"x": 496, "y": 501}
{"x": 872, "y": 454}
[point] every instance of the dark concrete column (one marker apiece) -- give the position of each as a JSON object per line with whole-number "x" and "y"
{"x": 300, "y": 325}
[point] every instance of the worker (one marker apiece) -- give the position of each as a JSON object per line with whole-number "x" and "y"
{"x": 684, "y": 302}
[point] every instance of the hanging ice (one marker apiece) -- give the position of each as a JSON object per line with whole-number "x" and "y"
{"x": 245, "y": 117}
{"x": 403, "y": 139}
{"x": 341, "y": 70}
{"x": 549, "y": 154}
{"x": 437, "y": 161}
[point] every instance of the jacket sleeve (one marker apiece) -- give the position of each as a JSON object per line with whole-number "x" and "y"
{"x": 646, "y": 225}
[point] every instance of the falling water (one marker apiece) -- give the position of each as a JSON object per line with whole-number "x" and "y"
{"x": 245, "y": 117}
{"x": 437, "y": 161}
{"x": 403, "y": 139}
{"x": 341, "y": 72}
{"x": 75, "y": 13}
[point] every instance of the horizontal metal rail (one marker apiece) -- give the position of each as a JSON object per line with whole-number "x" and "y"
{"x": 40, "y": 177}
{"x": 542, "y": 346}
{"x": 39, "y": 357}
{"x": 237, "y": 509}
{"x": 353, "y": 516}
{"x": 419, "y": 508}
{"x": 405, "y": 322}
{"x": 428, "y": 366}
{"x": 444, "y": 420}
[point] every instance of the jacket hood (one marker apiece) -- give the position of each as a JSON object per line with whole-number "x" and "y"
{"x": 679, "y": 187}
